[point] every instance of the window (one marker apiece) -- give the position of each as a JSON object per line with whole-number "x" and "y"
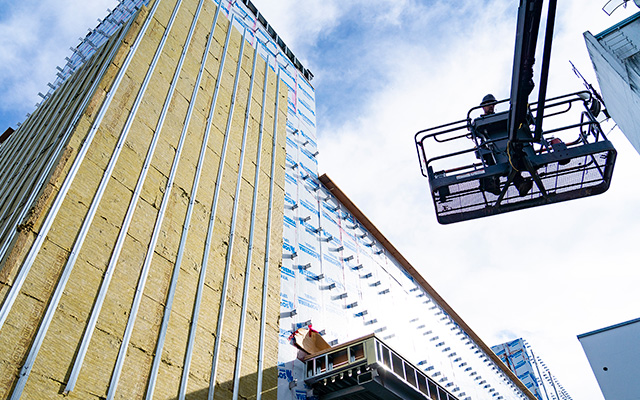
{"x": 410, "y": 375}
{"x": 356, "y": 352}
{"x": 397, "y": 365}
{"x": 338, "y": 359}
{"x": 386, "y": 357}
{"x": 433, "y": 391}
{"x": 422, "y": 384}
{"x": 321, "y": 364}
{"x": 309, "y": 368}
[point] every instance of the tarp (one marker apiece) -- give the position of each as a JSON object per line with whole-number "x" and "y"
{"x": 309, "y": 340}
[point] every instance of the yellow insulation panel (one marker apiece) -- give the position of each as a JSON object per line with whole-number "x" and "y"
{"x": 55, "y": 359}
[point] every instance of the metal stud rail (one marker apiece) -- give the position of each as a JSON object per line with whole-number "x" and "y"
{"x": 368, "y": 369}
{"x": 44, "y": 326}
{"x": 267, "y": 251}
{"x": 234, "y": 215}
{"x": 115, "y": 256}
{"x": 205, "y": 142}
{"x": 94, "y": 39}
{"x": 472, "y": 176}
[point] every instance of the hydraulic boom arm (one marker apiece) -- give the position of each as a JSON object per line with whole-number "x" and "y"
{"x": 529, "y": 16}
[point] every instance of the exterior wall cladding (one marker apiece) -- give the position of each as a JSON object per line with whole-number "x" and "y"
{"x": 141, "y": 229}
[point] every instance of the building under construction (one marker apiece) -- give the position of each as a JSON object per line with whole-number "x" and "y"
{"x": 531, "y": 370}
{"x": 165, "y": 234}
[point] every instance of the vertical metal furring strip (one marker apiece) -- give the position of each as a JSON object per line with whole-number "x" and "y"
{"x": 68, "y": 268}
{"x": 203, "y": 269}
{"x": 32, "y": 143}
{"x": 144, "y": 273}
{"x": 55, "y": 207}
{"x": 36, "y": 150}
{"x": 36, "y": 163}
{"x": 265, "y": 284}
{"x": 227, "y": 268}
{"x": 53, "y": 304}
{"x": 172, "y": 287}
{"x": 247, "y": 273}
{"x": 77, "y": 365}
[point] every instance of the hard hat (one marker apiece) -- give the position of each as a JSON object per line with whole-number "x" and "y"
{"x": 488, "y": 99}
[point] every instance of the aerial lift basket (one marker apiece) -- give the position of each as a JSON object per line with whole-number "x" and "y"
{"x": 475, "y": 171}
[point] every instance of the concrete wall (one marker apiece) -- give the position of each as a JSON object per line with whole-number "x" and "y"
{"x": 77, "y": 237}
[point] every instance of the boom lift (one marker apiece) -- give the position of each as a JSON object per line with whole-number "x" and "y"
{"x": 508, "y": 161}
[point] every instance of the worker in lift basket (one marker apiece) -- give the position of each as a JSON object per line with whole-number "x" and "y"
{"x": 492, "y": 184}
{"x": 488, "y": 104}
{"x": 489, "y": 184}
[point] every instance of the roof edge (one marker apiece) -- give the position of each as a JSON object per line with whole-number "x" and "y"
{"x": 355, "y": 211}
{"x": 608, "y": 328}
{"x": 278, "y": 40}
{"x": 619, "y": 25}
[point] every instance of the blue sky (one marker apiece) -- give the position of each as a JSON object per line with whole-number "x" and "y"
{"x": 35, "y": 37}
{"x": 384, "y": 70}
{"x": 361, "y": 51}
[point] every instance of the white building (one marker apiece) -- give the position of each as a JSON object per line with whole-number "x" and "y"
{"x": 616, "y": 60}
{"x": 613, "y": 353}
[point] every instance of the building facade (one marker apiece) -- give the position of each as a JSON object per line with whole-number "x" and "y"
{"x": 157, "y": 168}
{"x": 615, "y": 54}
{"x": 165, "y": 229}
